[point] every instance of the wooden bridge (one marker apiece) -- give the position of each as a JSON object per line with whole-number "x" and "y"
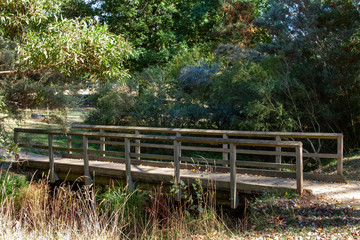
{"x": 235, "y": 161}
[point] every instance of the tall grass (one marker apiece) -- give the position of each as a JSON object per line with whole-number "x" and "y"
{"x": 33, "y": 210}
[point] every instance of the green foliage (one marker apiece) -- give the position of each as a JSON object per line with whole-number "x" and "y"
{"x": 318, "y": 69}
{"x": 114, "y": 107}
{"x": 47, "y": 41}
{"x": 11, "y": 185}
{"x": 130, "y": 206}
{"x": 75, "y": 47}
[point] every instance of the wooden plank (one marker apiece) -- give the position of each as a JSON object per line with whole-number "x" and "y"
{"x": 244, "y": 142}
{"x": 205, "y": 149}
{"x": 152, "y": 156}
{"x": 340, "y": 152}
{"x": 299, "y": 170}
{"x": 177, "y": 171}
{"x": 265, "y": 165}
{"x": 204, "y": 160}
{"x": 150, "y": 145}
{"x": 86, "y": 161}
{"x": 238, "y": 163}
{"x": 279, "y": 174}
{"x": 129, "y": 180}
{"x": 213, "y": 132}
{"x": 113, "y": 143}
{"x": 233, "y": 193}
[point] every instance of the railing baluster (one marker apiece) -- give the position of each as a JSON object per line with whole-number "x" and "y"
{"x": 86, "y": 161}
{"x": 299, "y": 169}
{"x": 16, "y": 141}
{"x": 278, "y": 151}
{"x": 179, "y": 135}
{"x": 69, "y": 143}
{"x": 102, "y": 145}
{"x": 137, "y": 148}
{"x": 177, "y": 170}
{"x": 129, "y": 180}
{"x": 340, "y": 152}
{"x": 225, "y": 155}
{"x": 233, "y": 194}
{"x": 53, "y": 176}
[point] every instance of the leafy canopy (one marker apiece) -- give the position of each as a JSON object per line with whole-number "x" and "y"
{"x": 48, "y": 42}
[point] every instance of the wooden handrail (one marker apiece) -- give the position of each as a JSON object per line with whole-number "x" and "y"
{"x": 227, "y": 133}
{"x": 211, "y": 131}
{"x": 177, "y": 140}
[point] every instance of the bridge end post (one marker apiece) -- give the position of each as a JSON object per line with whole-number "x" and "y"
{"x": 53, "y": 176}
{"x": 129, "y": 180}
{"x": 233, "y": 193}
{"x": 177, "y": 170}
{"x": 102, "y": 145}
{"x": 299, "y": 169}
{"x": 69, "y": 143}
{"x": 340, "y": 153}
{"x": 16, "y": 141}
{"x": 225, "y": 155}
{"x": 87, "y": 175}
{"x": 278, "y": 151}
{"x": 137, "y": 148}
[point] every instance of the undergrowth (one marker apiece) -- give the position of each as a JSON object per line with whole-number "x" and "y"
{"x": 33, "y": 209}
{"x": 37, "y": 210}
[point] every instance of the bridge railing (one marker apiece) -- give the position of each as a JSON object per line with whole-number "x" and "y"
{"x": 279, "y": 153}
{"x": 130, "y": 157}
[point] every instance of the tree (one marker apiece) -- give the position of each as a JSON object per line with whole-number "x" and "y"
{"x": 47, "y": 41}
{"x": 319, "y": 66}
{"x": 38, "y": 45}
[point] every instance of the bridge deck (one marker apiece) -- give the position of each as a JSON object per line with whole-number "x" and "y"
{"x": 221, "y": 181}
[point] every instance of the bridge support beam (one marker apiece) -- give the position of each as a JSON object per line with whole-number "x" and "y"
{"x": 177, "y": 170}
{"x": 129, "y": 180}
{"x": 233, "y": 193}
{"x": 53, "y": 176}
{"x": 87, "y": 175}
{"x": 340, "y": 152}
{"x": 299, "y": 169}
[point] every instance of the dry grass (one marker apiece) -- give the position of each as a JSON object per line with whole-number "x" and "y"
{"x": 38, "y": 212}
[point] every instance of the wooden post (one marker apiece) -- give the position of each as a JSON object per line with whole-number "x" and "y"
{"x": 299, "y": 169}
{"x": 86, "y": 161}
{"x": 340, "y": 152}
{"x": 16, "y": 141}
{"x": 233, "y": 194}
{"x": 225, "y": 155}
{"x": 278, "y": 151}
{"x": 137, "y": 148}
{"x": 69, "y": 143}
{"x": 102, "y": 145}
{"x": 179, "y": 135}
{"x": 53, "y": 176}
{"x": 129, "y": 180}
{"x": 177, "y": 170}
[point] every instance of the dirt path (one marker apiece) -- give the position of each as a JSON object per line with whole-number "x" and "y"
{"x": 340, "y": 193}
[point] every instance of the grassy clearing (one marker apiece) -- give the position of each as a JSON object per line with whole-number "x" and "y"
{"x": 351, "y": 167}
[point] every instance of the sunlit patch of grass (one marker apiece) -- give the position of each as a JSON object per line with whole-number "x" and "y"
{"x": 351, "y": 167}
{"x": 300, "y": 216}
